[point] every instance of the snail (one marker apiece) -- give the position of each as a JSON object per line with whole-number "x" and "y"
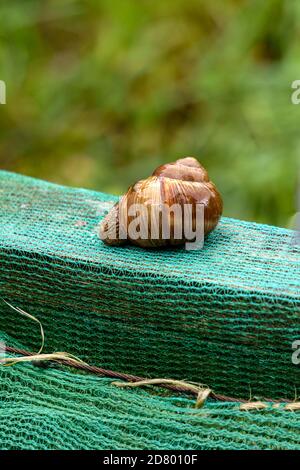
{"x": 174, "y": 187}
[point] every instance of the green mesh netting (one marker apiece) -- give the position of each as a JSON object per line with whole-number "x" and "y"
{"x": 225, "y": 316}
{"x": 59, "y": 409}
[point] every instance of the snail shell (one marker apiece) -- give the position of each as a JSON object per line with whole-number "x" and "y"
{"x": 182, "y": 182}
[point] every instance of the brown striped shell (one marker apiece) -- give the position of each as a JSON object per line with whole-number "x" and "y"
{"x": 182, "y": 182}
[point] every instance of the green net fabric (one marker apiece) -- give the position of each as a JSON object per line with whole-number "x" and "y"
{"x": 59, "y": 409}
{"x": 225, "y": 316}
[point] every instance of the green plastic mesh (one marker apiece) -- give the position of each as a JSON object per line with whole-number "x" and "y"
{"x": 59, "y": 409}
{"x": 225, "y": 315}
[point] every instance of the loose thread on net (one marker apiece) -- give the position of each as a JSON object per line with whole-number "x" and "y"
{"x": 67, "y": 359}
{"x": 178, "y": 386}
{"x": 201, "y": 392}
{"x": 28, "y": 315}
{"x": 56, "y": 356}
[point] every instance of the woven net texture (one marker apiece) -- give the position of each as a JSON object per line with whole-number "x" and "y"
{"x": 58, "y": 409}
{"x": 226, "y": 316}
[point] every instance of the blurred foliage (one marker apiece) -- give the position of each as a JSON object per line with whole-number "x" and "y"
{"x": 99, "y": 92}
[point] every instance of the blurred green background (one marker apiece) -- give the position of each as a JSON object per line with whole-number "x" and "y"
{"x": 99, "y": 92}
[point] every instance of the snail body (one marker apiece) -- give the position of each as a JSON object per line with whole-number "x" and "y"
{"x": 182, "y": 185}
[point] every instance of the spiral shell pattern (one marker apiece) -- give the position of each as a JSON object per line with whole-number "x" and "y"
{"x": 184, "y": 182}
